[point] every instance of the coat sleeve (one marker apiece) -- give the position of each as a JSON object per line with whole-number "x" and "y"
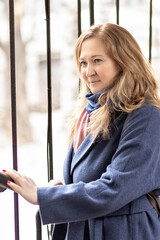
{"x": 134, "y": 171}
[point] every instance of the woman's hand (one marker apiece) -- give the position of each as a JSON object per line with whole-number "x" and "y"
{"x": 54, "y": 182}
{"x": 24, "y": 186}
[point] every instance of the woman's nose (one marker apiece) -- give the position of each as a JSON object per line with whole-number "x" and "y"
{"x": 90, "y": 71}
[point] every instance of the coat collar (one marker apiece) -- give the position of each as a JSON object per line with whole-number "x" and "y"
{"x": 81, "y": 152}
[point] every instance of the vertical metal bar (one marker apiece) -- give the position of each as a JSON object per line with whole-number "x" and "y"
{"x": 91, "y": 10}
{"x": 49, "y": 85}
{"x": 117, "y": 12}
{"x": 150, "y": 30}
{"x": 38, "y": 227}
{"x": 79, "y": 28}
{"x": 13, "y": 109}
{"x": 79, "y": 17}
{"x": 49, "y": 130}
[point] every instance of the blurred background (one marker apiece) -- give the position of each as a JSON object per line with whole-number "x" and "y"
{"x": 31, "y": 80}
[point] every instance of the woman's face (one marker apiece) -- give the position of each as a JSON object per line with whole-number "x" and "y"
{"x": 96, "y": 68}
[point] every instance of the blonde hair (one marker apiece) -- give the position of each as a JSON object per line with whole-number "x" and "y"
{"x": 133, "y": 86}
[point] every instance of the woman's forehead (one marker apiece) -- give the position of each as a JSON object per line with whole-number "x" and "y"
{"x": 94, "y": 47}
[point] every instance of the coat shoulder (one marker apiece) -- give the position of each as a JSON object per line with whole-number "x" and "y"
{"x": 143, "y": 126}
{"x": 146, "y": 111}
{"x": 145, "y": 116}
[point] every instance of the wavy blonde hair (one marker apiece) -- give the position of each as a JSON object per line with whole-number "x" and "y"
{"x": 133, "y": 86}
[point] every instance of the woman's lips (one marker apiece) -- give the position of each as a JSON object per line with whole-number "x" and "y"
{"x": 93, "y": 82}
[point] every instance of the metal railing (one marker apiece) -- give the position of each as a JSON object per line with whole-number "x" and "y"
{"x": 13, "y": 89}
{"x": 13, "y": 110}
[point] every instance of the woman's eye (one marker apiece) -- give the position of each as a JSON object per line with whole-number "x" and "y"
{"x": 97, "y": 60}
{"x": 83, "y": 63}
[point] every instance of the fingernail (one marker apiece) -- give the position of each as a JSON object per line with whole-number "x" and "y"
{"x": 4, "y": 170}
{"x": 8, "y": 181}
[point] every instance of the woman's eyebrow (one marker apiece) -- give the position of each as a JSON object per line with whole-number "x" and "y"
{"x": 97, "y": 55}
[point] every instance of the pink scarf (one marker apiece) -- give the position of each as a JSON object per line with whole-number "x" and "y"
{"x": 81, "y": 129}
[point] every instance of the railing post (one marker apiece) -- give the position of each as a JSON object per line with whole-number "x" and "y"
{"x": 79, "y": 17}
{"x": 49, "y": 86}
{"x": 79, "y": 29}
{"x": 117, "y": 12}
{"x": 49, "y": 130}
{"x": 13, "y": 109}
{"x": 150, "y": 31}
{"x": 91, "y": 10}
{"x": 38, "y": 227}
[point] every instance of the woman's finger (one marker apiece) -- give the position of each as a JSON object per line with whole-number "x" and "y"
{"x": 13, "y": 174}
{"x": 14, "y": 186}
{"x": 24, "y": 186}
{"x": 54, "y": 182}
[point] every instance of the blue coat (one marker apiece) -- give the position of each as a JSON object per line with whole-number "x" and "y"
{"x": 107, "y": 181}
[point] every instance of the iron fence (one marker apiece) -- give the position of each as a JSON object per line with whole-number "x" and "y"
{"x": 13, "y": 87}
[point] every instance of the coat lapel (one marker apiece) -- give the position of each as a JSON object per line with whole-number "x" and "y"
{"x": 81, "y": 152}
{"x": 67, "y": 165}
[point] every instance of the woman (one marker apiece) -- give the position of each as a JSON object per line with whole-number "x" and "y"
{"x": 114, "y": 157}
